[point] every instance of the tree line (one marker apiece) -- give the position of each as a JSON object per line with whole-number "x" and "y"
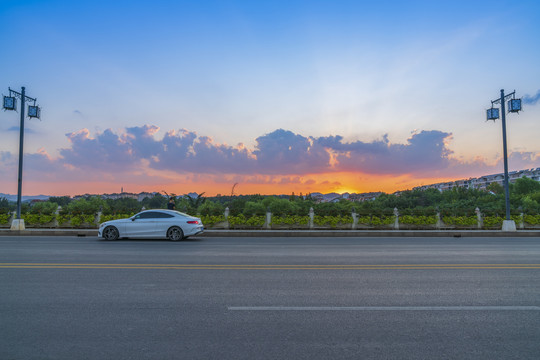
{"x": 524, "y": 198}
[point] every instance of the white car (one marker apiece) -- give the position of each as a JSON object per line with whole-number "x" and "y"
{"x": 166, "y": 224}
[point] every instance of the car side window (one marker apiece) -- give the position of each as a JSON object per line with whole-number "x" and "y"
{"x": 153, "y": 215}
{"x": 149, "y": 215}
{"x": 164, "y": 216}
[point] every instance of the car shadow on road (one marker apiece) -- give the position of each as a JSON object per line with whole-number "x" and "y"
{"x": 190, "y": 239}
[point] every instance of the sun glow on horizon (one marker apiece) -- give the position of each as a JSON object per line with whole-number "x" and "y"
{"x": 328, "y": 183}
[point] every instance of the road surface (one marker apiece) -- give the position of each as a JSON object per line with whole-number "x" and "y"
{"x": 270, "y": 298}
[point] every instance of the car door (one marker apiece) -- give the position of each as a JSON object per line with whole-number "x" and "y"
{"x": 142, "y": 224}
{"x": 163, "y": 222}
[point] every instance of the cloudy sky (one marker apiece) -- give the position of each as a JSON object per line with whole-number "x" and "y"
{"x": 276, "y": 96}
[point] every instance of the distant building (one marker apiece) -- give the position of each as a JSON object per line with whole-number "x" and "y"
{"x": 122, "y": 195}
{"x": 144, "y": 195}
{"x": 364, "y": 196}
{"x": 481, "y": 183}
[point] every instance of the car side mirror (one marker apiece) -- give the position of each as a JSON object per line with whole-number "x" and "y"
{"x": 132, "y": 219}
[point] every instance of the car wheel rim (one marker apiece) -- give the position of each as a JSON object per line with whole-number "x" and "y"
{"x": 110, "y": 234}
{"x": 175, "y": 234}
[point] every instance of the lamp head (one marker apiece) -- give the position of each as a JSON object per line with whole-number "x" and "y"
{"x": 34, "y": 111}
{"x": 10, "y": 103}
{"x": 514, "y": 105}
{"x": 492, "y": 114}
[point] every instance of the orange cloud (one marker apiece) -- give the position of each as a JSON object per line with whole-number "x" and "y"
{"x": 281, "y": 162}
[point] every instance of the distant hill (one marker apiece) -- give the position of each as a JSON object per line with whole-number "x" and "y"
{"x": 24, "y": 198}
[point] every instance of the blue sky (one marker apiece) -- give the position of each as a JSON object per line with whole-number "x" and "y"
{"x": 236, "y": 71}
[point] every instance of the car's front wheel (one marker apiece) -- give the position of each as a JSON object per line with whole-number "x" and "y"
{"x": 175, "y": 234}
{"x": 110, "y": 233}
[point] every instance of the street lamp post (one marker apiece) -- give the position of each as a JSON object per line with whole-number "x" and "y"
{"x": 514, "y": 105}
{"x": 10, "y": 103}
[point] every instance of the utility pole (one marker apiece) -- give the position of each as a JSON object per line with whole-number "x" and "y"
{"x": 514, "y": 105}
{"x": 34, "y": 112}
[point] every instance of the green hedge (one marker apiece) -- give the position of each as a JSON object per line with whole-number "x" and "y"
{"x": 461, "y": 220}
{"x": 332, "y": 221}
{"x": 37, "y": 219}
{"x": 4, "y": 219}
{"x": 76, "y": 220}
{"x": 382, "y": 220}
{"x": 258, "y": 221}
{"x": 496, "y": 221}
{"x": 418, "y": 220}
{"x": 242, "y": 220}
{"x": 531, "y": 219}
{"x": 290, "y": 220}
{"x": 210, "y": 220}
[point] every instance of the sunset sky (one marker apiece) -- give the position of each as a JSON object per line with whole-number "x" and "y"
{"x": 276, "y": 96}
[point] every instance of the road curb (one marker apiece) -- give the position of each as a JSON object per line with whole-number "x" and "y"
{"x": 49, "y": 232}
{"x": 298, "y": 233}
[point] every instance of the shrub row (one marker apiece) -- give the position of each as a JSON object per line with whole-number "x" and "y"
{"x": 292, "y": 221}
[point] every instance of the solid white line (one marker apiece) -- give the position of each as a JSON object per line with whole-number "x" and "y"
{"x": 384, "y": 308}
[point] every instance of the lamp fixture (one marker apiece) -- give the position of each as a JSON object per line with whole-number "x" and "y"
{"x": 492, "y": 114}
{"x": 34, "y": 111}
{"x": 10, "y": 103}
{"x": 514, "y": 105}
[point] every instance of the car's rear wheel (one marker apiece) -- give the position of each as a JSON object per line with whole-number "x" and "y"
{"x": 110, "y": 233}
{"x": 175, "y": 233}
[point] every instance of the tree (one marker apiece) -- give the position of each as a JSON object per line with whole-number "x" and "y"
{"x": 5, "y": 206}
{"x": 254, "y": 208}
{"x": 530, "y": 206}
{"x": 158, "y": 201}
{"x": 495, "y": 188}
{"x": 60, "y": 200}
{"x": 342, "y": 207}
{"x": 280, "y": 207}
{"x": 236, "y": 205}
{"x": 45, "y": 207}
{"x": 88, "y": 206}
{"x": 194, "y": 202}
{"x": 211, "y": 208}
{"x": 123, "y": 206}
{"x": 525, "y": 186}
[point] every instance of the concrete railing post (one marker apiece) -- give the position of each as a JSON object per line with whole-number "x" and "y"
{"x": 354, "y": 219}
{"x": 57, "y": 213}
{"x": 268, "y": 219}
{"x": 479, "y": 219}
{"x": 226, "y": 214}
{"x": 311, "y": 217}
{"x": 11, "y": 217}
{"x": 396, "y": 219}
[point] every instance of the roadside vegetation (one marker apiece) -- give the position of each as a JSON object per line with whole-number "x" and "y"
{"x": 454, "y": 208}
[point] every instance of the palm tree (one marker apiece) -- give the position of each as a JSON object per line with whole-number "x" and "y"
{"x": 194, "y": 203}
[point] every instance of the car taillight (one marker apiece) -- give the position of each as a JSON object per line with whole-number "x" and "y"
{"x": 192, "y": 222}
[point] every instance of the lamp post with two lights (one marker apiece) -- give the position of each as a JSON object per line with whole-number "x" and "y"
{"x": 10, "y": 103}
{"x": 514, "y": 106}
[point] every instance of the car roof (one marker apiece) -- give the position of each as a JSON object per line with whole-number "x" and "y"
{"x": 167, "y": 211}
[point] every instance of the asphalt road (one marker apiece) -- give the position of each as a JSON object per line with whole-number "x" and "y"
{"x": 270, "y": 298}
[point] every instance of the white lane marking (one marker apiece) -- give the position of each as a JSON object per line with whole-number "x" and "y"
{"x": 384, "y": 308}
